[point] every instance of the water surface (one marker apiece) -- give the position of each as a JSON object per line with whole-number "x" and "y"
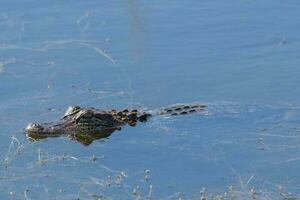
{"x": 238, "y": 57}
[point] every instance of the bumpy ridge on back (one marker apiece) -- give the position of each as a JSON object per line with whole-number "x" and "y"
{"x": 182, "y": 109}
{"x": 130, "y": 117}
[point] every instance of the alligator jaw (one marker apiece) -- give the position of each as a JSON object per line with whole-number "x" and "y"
{"x": 37, "y": 131}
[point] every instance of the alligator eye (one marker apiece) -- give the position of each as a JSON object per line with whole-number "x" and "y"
{"x": 84, "y": 114}
{"x": 71, "y": 110}
{"x": 34, "y": 126}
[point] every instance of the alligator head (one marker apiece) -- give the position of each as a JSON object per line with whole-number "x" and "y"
{"x": 82, "y": 124}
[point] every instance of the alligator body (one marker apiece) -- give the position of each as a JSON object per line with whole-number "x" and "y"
{"x": 88, "y": 124}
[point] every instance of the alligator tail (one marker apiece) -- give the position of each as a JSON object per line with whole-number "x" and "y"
{"x": 132, "y": 117}
{"x": 182, "y": 109}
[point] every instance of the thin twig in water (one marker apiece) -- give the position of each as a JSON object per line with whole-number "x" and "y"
{"x": 86, "y": 14}
{"x": 283, "y": 136}
{"x": 25, "y": 194}
{"x": 85, "y": 27}
{"x": 100, "y": 51}
{"x": 249, "y": 180}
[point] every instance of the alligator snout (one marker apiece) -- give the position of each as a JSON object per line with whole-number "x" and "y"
{"x": 39, "y": 131}
{"x": 34, "y": 127}
{"x": 34, "y": 130}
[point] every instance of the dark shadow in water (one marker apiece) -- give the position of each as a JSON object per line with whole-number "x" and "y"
{"x": 87, "y": 139}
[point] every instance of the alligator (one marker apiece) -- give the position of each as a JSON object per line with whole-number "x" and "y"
{"x": 88, "y": 124}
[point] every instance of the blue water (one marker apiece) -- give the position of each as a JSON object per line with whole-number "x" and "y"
{"x": 238, "y": 57}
